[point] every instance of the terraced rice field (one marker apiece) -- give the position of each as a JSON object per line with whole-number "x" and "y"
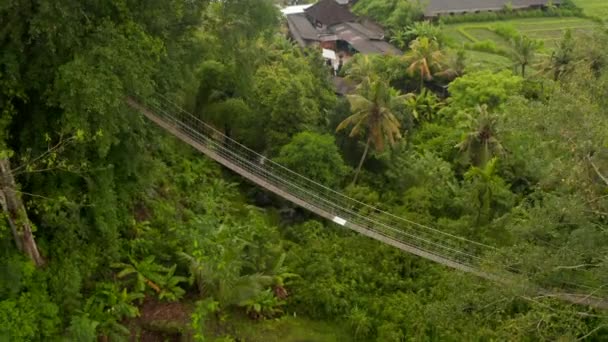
{"x": 548, "y": 30}
{"x": 596, "y": 8}
{"x": 545, "y": 29}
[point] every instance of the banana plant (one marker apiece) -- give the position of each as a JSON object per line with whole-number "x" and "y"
{"x": 280, "y": 275}
{"x": 424, "y": 106}
{"x": 107, "y": 307}
{"x": 264, "y": 305}
{"x": 150, "y": 275}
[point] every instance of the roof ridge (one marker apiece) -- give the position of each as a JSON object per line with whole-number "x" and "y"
{"x": 329, "y": 12}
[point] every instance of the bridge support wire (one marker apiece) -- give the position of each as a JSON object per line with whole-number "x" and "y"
{"x": 426, "y": 242}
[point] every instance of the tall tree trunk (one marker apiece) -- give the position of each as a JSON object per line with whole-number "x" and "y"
{"x": 369, "y": 140}
{"x": 523, "y": 70}
{"x": 17, "y": 215}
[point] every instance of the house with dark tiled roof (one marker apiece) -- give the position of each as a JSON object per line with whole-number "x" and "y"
{"x": 437, "y": 8}
{"x": 332, "y": 26}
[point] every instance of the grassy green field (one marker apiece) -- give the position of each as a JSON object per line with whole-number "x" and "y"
{"x": 485, "y": 60}
{"x": 548, "y": 30}
{"x": 288, "y": 329}
{"x": 596, "y": 8}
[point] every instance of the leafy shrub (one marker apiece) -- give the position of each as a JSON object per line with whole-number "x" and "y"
{"x": 486, "y": 46}
{"x": 506, "y": 31}
{"x": 26, "y": 310}
{"x": 83, "y": 329}
{"x": 29, "y": 317}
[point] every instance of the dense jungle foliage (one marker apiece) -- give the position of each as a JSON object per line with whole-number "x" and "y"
{"x": 113, "y": 230}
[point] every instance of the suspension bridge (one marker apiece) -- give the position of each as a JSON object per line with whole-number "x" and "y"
{"x": 412, "y": 237}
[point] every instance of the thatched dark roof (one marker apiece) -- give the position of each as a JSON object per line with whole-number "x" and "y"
{"x": 363, "y": 39}
{"x": 338, "y": 24}
{"x": 436, "y": 7}
{"x": 329, "y": 12}
{"x": 301, "y": 28}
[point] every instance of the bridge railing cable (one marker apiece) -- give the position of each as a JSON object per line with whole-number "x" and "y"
{"x": 342, "y": 207}
{"x": 382, "y": 215}
{"x": 447, "y": 246}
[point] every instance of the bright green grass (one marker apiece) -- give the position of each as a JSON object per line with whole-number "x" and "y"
{"x": 484, "y": 33}
{"x": 455, "y": 36}
{"x": 288, "y": 329}
{"x": 478, "y": 60}
{"x": 596, "y": 8}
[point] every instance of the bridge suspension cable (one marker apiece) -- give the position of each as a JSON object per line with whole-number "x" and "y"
{"x": 410, "y": 236}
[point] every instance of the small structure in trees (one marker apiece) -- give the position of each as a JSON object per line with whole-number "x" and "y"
{"x": 332, "y": 26}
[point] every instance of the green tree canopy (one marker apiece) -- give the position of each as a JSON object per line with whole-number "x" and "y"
{"x": 483, "y": 87}
{"x": 288, "y": 99}
{"x": 315, "y": 156}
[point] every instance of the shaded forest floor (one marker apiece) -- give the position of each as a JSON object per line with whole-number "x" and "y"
{"x": 161, "y": 321}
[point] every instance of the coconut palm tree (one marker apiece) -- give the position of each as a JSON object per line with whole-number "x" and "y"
{"x": 361, "y": 67}
{"x": 480, "y": 143}
{"x": 560, "y": 61}
{"x": 426, "y": 29}
{"x": 455, "y": 65}
{"x": 399, "y": 38}
{"x": 486, "y": 184}
{"x": 373, "y": 115}
{"x": 424, "y": 58}
{"x": 523, "y": 51}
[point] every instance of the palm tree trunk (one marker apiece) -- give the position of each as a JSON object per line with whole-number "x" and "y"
{"x": 523, "y": 70}
{"x": 20, "y": 224}
{"x": 484, "y": 155}
{"x": 369, "y": 140}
